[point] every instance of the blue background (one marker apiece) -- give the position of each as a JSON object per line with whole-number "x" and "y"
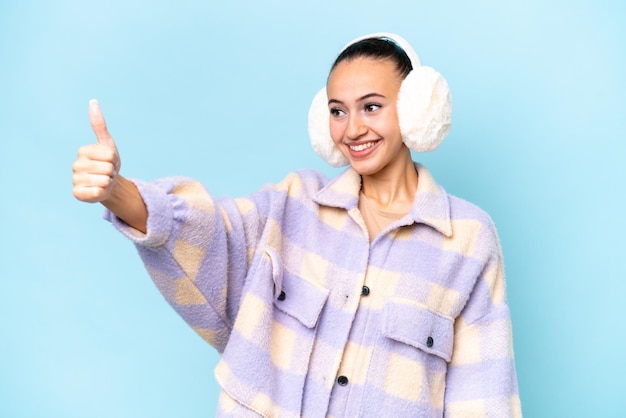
{"x": 220, "y": 91}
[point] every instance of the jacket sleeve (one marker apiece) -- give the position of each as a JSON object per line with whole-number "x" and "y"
{"x": 481, "y": 379}
{"x": 197, "y": 251}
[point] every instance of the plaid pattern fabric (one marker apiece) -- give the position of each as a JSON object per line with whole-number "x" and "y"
{"x": 276, "y": 283}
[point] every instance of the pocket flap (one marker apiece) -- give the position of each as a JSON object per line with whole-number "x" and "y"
{"x": 411, "y": 323}
{"x": 301, "y": 299}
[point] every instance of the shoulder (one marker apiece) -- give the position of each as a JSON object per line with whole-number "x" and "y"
{"x": 456, "y": 218}
{"x": 474, "y": 226}
{"x": 300, "y": 183}
{"x": 298, "y": 186}
{"x": 461, "y": 209}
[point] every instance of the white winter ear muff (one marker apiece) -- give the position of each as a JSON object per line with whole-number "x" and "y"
{"x": 424, "y": 108}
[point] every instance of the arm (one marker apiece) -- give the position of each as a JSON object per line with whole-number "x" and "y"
{"x": 481, "y": 379}
{"x": 127, "y": 204}
{"x": 196, "y": 249}
{"x": 96, "y": 176}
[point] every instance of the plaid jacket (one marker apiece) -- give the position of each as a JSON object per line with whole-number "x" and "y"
{"x": 313, "y": 320}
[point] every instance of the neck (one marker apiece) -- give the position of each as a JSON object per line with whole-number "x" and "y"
{"x": 393, "y": 188}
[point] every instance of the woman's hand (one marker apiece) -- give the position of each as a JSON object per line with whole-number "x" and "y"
{"x": 95, "y": 170}
{"x": 96, "y": 176}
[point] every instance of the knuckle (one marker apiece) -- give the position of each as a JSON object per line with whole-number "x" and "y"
{"x": 85, "y": 150}
{"x": 110, "y": 169}
{"x": 108, "y": 154}
{"x": 78, "y": 166}
{"x": 80, "y": 194}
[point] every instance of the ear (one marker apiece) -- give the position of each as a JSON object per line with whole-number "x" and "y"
{"x": 319, "y": 131}
{"x": 424, "y": 109}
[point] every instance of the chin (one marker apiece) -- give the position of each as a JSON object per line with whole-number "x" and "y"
{"x": 365, "y": 168}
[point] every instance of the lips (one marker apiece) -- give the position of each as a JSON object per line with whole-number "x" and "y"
{"x": 362, "y": 149}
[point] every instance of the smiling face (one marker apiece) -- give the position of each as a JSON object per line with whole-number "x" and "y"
{"x": 363, "y": 96}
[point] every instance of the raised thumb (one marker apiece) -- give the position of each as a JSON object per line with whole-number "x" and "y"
{"x": 98, "y": 124}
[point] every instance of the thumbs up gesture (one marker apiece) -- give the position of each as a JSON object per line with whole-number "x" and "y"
{"x": 96, "y": 176}
{"x": 97, "y": 166}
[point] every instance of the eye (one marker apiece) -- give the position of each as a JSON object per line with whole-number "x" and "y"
{"x": 336, "y": 112}
{"x": 372, "y": 107}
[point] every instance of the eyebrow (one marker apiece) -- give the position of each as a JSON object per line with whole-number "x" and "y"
{"x": 367, "y": 96}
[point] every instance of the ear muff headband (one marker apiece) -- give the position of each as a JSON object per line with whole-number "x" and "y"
{"x": 424, "y": 108}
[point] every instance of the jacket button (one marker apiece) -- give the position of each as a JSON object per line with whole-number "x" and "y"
{"x": 282, "y": 295}
{"x": 342, "y": 380}
{"x": 365, "y": 291}
{"x": 429, "y": 342}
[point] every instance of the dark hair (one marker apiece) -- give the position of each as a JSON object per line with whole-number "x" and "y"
{"x": 379, "y": 49}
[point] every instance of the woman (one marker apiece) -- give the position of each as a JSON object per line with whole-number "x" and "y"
{"x": 372, "y": 294}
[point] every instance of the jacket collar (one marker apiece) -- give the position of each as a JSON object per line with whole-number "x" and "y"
{"x": 430, "y": 206}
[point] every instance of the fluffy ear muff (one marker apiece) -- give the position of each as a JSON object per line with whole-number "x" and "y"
{"x": 319, "y": 131}
{"x": 424, "y": 109}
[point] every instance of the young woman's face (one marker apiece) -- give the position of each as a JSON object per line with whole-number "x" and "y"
{"x": 362, "y": 99}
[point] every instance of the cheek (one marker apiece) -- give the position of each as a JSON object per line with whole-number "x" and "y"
{"x": 390, "y": 124}
{"x": 336, "y": 131}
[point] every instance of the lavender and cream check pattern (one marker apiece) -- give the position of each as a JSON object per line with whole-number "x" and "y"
{"x": 274, "y": 281}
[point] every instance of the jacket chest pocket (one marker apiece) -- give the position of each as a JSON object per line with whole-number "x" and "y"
{"x": 294, "y": 296}
{"x": 415, "y": 325}
{"x": 300, "y": 299}
{"x": 297, "y": 307}
{"x": 412, "y": 359}
{"x": 266, "y": 361}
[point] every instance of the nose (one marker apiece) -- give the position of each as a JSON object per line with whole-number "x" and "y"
{"x": 356, "y": 127}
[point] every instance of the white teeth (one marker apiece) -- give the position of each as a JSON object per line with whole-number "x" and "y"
{"x": 362, "y": 146}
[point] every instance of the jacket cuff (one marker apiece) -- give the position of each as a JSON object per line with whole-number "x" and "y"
{"x": 160, "y": 217}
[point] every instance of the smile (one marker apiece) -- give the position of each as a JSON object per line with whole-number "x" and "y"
{"x": 361, "y": 147}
